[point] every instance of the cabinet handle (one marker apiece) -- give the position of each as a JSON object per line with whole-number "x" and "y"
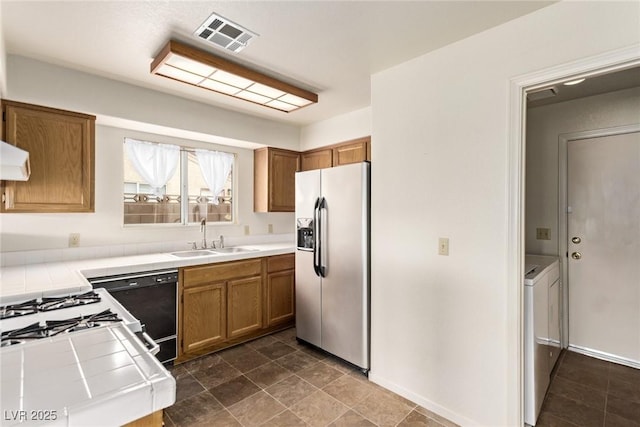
{"x": 576, "y": 255}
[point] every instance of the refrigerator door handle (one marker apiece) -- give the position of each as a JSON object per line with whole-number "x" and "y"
{"x": 322, "y": 269}
{"x": 316, "y": 242}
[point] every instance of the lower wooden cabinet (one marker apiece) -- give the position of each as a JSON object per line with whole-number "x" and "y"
{"x": 244, "y": 299}
{"x": 152, "y": 420}
{"x": 281, "y": 289}
{"x": 204, "y": 316}
{"x": 224, "y": 304}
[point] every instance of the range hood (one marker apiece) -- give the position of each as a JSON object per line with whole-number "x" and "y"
{"x": 14, "y": 163}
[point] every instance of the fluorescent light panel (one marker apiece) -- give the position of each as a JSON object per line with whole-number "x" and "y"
{"x": 184, "y": 63}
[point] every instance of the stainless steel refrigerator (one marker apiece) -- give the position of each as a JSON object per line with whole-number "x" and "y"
{"x": 332, "y": 260}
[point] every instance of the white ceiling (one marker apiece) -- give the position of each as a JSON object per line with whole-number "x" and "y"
{"x": 331, "y": 48}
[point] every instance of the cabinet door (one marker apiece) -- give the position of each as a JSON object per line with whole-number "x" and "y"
{"x": 244, "y": 302}
{"x": 282, "y": 180}
{"x": 204, "y": 316}
{"x": 61, "y": 152}
{"x": 350, "y": 153}
{"x": 280, "y": 296}
{"x": 274, "y": 183}
{"x": 317, "y": 159}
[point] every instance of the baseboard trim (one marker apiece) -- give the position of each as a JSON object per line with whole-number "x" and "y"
{"x": 605, "y": 356}
{"x": 422, "y": 401}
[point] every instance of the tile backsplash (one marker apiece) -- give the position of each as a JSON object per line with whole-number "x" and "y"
{"x": 11, "y": 259}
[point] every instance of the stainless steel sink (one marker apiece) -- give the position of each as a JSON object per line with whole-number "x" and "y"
{"x": 232, "y": 250}
{"x": 192, "y": 253}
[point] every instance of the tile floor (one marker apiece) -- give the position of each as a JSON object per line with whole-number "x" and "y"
{"x": 276, "y": 381}
{"x": 586, "y": 392}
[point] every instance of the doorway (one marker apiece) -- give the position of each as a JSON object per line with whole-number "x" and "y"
{"x": 546, "y": 226}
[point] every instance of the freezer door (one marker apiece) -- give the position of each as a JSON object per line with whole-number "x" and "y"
{"x": 308, "y": 284}
{"x": 345, "y": 246}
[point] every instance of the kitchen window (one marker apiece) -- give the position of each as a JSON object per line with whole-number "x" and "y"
{"x": 170, "y": 184}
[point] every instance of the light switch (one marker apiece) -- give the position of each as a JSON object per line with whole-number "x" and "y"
{"x": 443, "y": 246}
{"x": 270, "y": 229}
{"x": 247, "y": 231}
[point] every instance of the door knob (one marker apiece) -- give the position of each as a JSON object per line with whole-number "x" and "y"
{"x": 576, "y": 255}
{"x": 576, "y": 240}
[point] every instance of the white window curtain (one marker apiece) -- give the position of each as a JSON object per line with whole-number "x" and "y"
{"x": 215, "y": 167}
{"x": 156, "y": 163}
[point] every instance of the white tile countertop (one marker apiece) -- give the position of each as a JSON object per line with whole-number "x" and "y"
{"x": 100, "y": 376}
{"x": 36, "y": 280}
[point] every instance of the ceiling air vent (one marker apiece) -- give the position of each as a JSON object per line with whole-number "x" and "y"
{"x": 224, "y": 33}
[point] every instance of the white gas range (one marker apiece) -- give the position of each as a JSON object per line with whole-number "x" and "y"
{"x": 75, "y": 360}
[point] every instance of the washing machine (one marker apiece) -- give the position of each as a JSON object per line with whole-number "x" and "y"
{"x": 541, "y": 329}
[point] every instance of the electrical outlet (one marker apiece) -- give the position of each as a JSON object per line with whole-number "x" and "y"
{"x": 247, "y": 231}
{"x": 543, "y": 233}
{"x": 74, "y": 240}
{"x": 270, "y": 229}
{"x": 443, "y": 246}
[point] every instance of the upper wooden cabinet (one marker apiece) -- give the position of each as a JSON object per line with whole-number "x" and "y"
{"x": 354, "y": 151}
{"x": 316, "y": 159}
{"x": 61, "y": 146}
{"x": 351, "y": 152}
{"x": 274, "y": 180}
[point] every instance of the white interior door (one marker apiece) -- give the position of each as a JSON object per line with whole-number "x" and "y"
{"x": 603, "y": 230}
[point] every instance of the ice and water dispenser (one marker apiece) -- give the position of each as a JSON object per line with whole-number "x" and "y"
{"x": 305, "y": 234}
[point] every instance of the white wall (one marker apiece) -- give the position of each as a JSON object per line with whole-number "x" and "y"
{"x": 441, "y": 333}
{"x": 104, "y": 227}
{"x": 140, "y": 109}
{"x": 544, "y": 125}
{"x": 53, "y": 86}
{"x": 337, "y": 129}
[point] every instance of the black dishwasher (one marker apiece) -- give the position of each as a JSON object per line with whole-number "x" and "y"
{"x": 151, "y": 297}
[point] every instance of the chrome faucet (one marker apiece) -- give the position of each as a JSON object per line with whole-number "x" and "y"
{"x": 203, "y": 229}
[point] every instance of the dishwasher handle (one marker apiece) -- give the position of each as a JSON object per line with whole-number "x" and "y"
{"x": 127, "y": 286}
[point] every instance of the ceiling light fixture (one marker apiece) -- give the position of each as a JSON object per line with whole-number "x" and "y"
{"x": 199, "y": 68}
{"x": 573, "y": 82}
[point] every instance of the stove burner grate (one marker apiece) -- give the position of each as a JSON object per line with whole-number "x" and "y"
{"x": 56, "y": 303}
{"x": 30, "y": 332}
{"x": 48, "y": 304}
{"x": 20, "y": 309}
{"x": 55, "y": 327}
{"x": 52, "y": 328}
